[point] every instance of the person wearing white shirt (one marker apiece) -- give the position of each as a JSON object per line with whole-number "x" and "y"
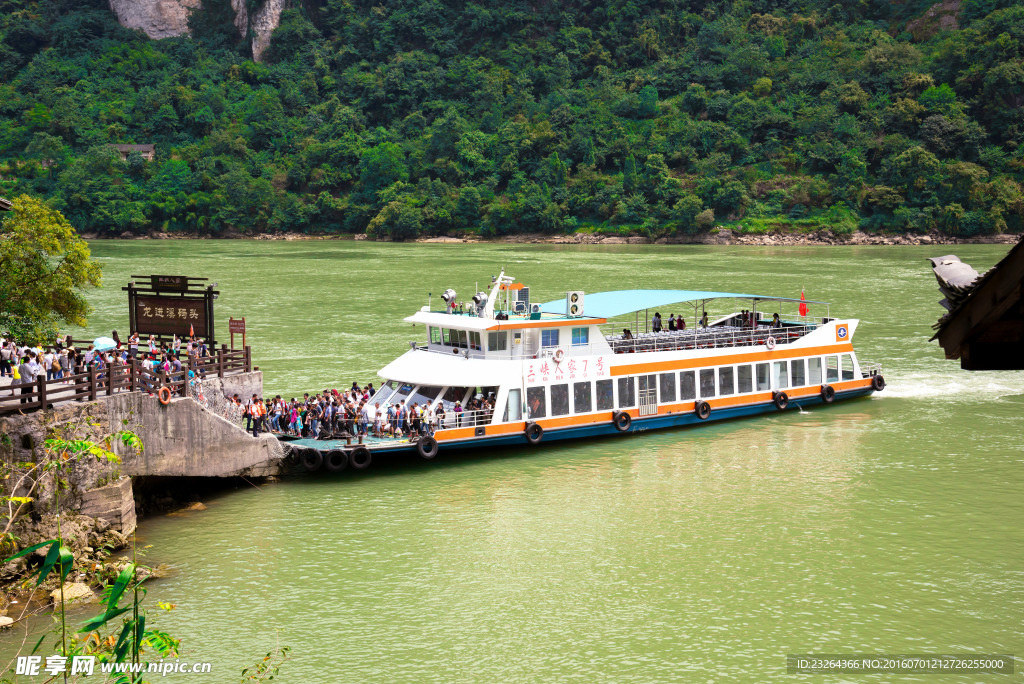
{"x": 48, "y": 364}
{"x": 428, "y": 419}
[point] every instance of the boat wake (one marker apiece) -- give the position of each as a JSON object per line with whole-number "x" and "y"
{"x": 987, "y": 385}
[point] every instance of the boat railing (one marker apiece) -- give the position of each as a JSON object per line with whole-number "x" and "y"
{"x": 708, "y": 338}
{"x": 471, "y": 418}
{"x": 868, "y": 370}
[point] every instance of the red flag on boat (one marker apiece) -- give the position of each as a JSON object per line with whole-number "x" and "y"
{"x": 191, "y": 330}
{"x": 803, "y": 304}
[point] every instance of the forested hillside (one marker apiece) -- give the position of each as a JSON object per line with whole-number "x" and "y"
{"x": 412, "y": 117}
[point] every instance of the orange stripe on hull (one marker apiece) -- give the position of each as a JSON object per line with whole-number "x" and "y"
{"x": 663, "y": 409}
{"x": 711, "y": 361}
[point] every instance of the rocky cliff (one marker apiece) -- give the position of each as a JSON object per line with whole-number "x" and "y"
{"x": 168, "y": 18}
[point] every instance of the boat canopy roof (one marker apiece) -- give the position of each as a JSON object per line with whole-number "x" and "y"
{"x": 621, "y": 302}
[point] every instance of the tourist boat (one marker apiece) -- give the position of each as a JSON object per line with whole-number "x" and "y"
{"x": 550, "y": 372}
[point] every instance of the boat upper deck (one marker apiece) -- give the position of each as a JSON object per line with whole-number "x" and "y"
{"x": 713, "y": 337}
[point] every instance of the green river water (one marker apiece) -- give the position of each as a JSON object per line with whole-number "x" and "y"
{"x": 883, "y": 525}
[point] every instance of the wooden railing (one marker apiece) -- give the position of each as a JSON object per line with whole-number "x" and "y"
{"x": 94, "y": 384}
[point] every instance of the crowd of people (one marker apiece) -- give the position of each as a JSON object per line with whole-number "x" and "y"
{"x": 353, "y": 414}
{"x": 330, "y": 414}
{"x": 25, "y": 365}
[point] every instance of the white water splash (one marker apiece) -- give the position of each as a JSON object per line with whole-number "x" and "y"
{"x": 954, "y": 386}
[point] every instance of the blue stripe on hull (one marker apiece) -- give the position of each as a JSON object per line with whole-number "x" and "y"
{"x": 682, "y": 419}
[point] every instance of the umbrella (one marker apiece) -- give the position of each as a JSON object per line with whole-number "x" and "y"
{"x": 104, "y": 344}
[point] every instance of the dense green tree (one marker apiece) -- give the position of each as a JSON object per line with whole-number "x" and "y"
{"x": 503, "y": 118}
{"x": 45, "y": 266}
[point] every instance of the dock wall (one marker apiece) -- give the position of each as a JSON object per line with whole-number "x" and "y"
{"x": 180, "y": 439}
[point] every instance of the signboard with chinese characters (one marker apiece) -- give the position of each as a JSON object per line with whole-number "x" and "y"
{"x": 573, "y": 368}
{"x": 169, "y": 283}
{"x": 165, "y": 306}
{"x": 170, "y": 316}
{"x": 236, "y": 325}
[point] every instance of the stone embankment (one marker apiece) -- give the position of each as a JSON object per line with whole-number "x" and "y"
{"x": 97, "y": 502}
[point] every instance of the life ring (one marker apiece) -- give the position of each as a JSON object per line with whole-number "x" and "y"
{"x": 311, "y": 459}
{"x": 702, "y": 409}
{"x": 828, "y": 394}
{"x": 360, "y": 458}
{"x": 770, "y": 343}
{"x": 878, "y": 382}
{"x": 534, "y": 433}
{"x": 164, "y": 395}
{"x": 559, "y": 355}
{"x": 426, "y": 447}
{"x": 336, "y": 461}
{"x": 622, "y": 421}
{"x": 781, "y": 400}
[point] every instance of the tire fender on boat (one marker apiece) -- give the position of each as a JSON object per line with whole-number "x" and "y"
{"x": 311, "y": 459}
{"x": 622, "y": 420}
{"x": 828, "y": 394}
{"x": 426, "y": 447}
{"x": 360, "y": 458}
{"x": 770, "y": 343}
{"x": 336, "y": 461}
{"x": 702, "y": 409}
{"x": 534, "y": 433}
{"x": 781, "y": 400}
{"x": 878, "y": 382}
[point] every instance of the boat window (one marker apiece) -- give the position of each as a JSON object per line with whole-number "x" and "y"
{"x": 814, "y": 371}
{"x": 744, "y": 379}
{"x": 847, "y": 364}
{"x": 831, "y": 369}
{"x": 474, "y": 341}
{"x": 456, "y": 338}
{"x": 435, "y": 335}
{"x": 605, "y": 398}
{"x": 781, "y": 376}
{"x": 424, "y": 394}
{"x": 764, "y": 381}
{"x": 627, "y": 392}
{"x": 535, "y": 402}
{"x": 668, "y": 387}
{"x": 581, "y": 402}
{"x": 687, "y": 385}
{"x": 446, "y": 336}
{"x": 549, "y": 338}
{"x": 497, "y": 341}
{"x": 560, "y": 400}
{"x": 452, "y": 395}
{"x": 796, "y": 372}
{"x": 514, "y": 406}
{"x": 707, "y": 383}
{"x": 401, "y": 393}
{"x": 580, "y": 336}
{"x": 726, "y": 385}
{"x": 385, "y": 392}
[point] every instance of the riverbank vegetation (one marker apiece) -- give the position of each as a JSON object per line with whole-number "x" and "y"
{"x": 410, "y": 118}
